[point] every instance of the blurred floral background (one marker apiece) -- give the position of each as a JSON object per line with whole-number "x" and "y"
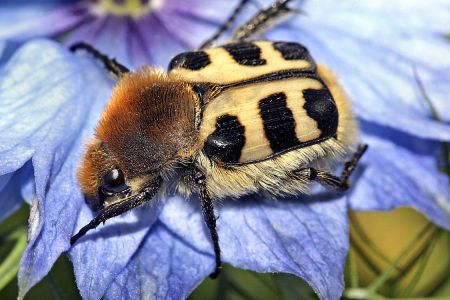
{"x": 388, "y": 237}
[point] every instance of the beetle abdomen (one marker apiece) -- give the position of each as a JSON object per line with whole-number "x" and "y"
{"x": 274, "y": 117}
{"x": 270, "y": 99}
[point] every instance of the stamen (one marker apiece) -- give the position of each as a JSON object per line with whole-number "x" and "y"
{"x": 122, "y": 8}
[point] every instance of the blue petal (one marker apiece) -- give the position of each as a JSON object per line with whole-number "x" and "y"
{"x": 55, "y": 91}
{"x": 399, "y": 174}
{"x": 28, "y": 20}
{"x": 10, "y": 199}
{"x": 27, "y": 183}
{"x": 48, "y": 112}
{"x": 374, "y": 49}
{"x": 108, "y": 248}
{"x": 308, "y": 239}
{"x": 2, "y": 49}
{"x": 165, "y": 267}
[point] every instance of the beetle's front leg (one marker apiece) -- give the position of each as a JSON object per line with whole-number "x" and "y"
{"x": 111, "y": 65}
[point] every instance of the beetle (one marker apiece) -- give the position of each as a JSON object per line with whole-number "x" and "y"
{"x": 245, "y": 117}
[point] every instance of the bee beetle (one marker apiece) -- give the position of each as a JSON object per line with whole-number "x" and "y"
{"x": 246, "y": 117}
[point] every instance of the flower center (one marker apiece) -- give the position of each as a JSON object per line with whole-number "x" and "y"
{"x": 133, "y": 8}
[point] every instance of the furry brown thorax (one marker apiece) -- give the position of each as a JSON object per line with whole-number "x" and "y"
{"x": 141, "y": 130}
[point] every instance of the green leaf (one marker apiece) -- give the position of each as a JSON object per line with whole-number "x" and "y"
{"x": 424, "y": 258}
{"x": 58, "y": 284}
{"x": 13, "y": 240}
{"x": 352, "y": 268}
{"x": 10, "y": 265}
{"x": 443, "y": 289}
{"x": 384, "y": 277}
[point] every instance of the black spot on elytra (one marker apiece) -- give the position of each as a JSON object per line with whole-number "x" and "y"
{"x": 247, "y": 54}
{"x": 279, "y": 122}
{"x": 227, "y": 141}
{"x": 190, "y": 60}
{"x": 320, "y": 106}
{"x": 292, "y": 51}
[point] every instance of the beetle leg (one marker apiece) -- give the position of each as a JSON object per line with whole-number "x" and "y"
{"x": 225, "y": 26}
{"x": 262, "y": 20}
{"x": 119, "y": 208}
{"x": 110, "y": 64}
{"x": 209, "y": 217}
{"x": 339, "y": 182}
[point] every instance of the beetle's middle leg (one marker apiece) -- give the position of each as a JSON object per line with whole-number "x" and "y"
{"x": 263, "y": 20}
{"x": 225, "y": 26}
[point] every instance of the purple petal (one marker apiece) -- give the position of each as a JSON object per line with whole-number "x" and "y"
{"x": 136, "y": 42}
{"x": 165, "y": 267}
{"x": 305, "y": 237}
{"x": 189, "y": 30}
{"x": 162, "y": 45}
{"x": 216, "y": 11}
{"x": 156, "y": 37}
{"x": 397, "y": 176}
{"x": 196, "y": 20}
{"x": 48, "y": 112}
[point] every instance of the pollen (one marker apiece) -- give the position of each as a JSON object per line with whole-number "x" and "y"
{"x": 124, "y": 8}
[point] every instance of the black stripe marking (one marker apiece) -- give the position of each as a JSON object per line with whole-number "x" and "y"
{"x": 247, "y": 54}
{"x": 320, "y": 106}
{"x": 278, "y": 121}
{"x": 227, "y": 141}
{"x": 190, "y": 60}
{"x": 292, "y": 51}
{"x": 200, "y": 91}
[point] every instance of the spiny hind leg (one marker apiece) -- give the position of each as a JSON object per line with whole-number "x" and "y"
{"x": 338, "y": 182}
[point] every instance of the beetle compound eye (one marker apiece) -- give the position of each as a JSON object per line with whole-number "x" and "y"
{"x": 114, "y": 181}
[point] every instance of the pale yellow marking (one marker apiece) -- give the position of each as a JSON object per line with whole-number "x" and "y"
{"x": 305, "y": 127}
{"x": 243, "y": 102}
{"x": 224, "y": 69}
{"x": 240, "y": 103}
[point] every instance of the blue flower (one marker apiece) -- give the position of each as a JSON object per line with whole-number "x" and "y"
{"x": 134, "y": 32}
{"x": 51, "y": 100}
